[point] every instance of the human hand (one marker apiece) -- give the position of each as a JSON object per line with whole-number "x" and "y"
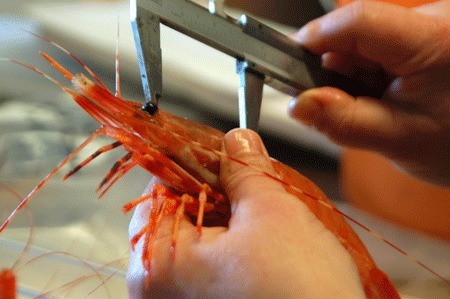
{"x": 274, "y": 246}
{"x": 410, "y": 125}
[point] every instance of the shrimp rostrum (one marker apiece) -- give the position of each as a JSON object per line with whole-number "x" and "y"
{"x": 185, "y": 156}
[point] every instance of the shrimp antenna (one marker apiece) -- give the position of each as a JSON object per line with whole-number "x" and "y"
{"x": 26, "y": 248}
{"x": 73, "y": 56}
{"x": 117, "y": 66}
{"x": 48, "y": 177}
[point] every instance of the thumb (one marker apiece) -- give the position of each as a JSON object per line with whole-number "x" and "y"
{"x": 245, "y": 173}
{"x": 361, "y": 122}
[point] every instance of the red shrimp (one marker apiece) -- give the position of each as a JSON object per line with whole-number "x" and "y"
{"x": 185, "y": 156}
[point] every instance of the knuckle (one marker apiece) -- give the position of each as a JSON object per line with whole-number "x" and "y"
{"x": 239, "y": 175}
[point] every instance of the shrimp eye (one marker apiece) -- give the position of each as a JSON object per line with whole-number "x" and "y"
{"x": 150, "y": 108}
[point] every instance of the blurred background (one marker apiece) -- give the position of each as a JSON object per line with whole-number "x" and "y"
{"x": 40, "y": 125}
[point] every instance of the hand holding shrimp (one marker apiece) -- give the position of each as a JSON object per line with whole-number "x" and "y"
{"x": 186, "y": 157}
{"x": 267, "y": 224}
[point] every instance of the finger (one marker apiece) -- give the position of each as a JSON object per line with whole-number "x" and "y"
{"x": 363, "y": 122}
{"x": 142, "y": 212}
{"x": 362, "y": 70}
{"x": 136, "y": 278}
{"x": 439, "y": 8}
{"x": 368, "y": 29}
{"x": 164, "y": 226}
{"x": 247, "y": 183}
{"x": 136, "y": 274}
{"x": 341, "y": 63}
{"x": 162, "y": 262}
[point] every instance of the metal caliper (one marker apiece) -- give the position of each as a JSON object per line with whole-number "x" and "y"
{"x": 263, "y": 55}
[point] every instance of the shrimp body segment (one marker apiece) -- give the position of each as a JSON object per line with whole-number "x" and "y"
{"x": 185, "y": 156}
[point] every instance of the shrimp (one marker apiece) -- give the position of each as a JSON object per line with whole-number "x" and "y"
{"x": 185, "y": 156}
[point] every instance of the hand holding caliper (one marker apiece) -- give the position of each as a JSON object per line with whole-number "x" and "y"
{"x": 263, "y": 55}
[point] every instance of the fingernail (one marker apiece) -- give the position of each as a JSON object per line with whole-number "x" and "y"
{"x": 239, "y": 141}
{"x": 304, "y": 108}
